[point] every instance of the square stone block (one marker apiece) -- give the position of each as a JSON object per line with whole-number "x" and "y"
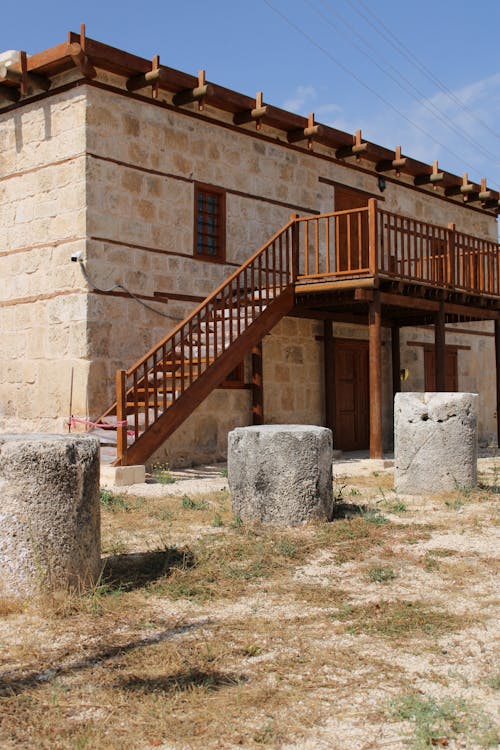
{"x": 435, "y": 442}
{"x": 122, "y": 476}
{"x": 281, "y": 474}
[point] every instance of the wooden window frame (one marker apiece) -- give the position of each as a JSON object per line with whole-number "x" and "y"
{"x": 236, "y": 378}
{"x": 220, "y": 256}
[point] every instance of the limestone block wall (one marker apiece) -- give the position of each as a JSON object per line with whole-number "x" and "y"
{"x": 202, "y": 438}
{"x": 293, "y": 373}
{"x": 43, "y": 306}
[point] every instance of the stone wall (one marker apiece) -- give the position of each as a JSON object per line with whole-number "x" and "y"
{"x": 293, "y": 373}
{"x": 43, "y": 301}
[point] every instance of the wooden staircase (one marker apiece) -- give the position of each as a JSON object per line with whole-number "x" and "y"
{"x": 165, "y": 386}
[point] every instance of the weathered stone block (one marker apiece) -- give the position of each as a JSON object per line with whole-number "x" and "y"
{"x": 435, "y": 441}
{"x": 122, "y": 476}
{"x": 281, "y": 474}
{"x": 49, "y": 513}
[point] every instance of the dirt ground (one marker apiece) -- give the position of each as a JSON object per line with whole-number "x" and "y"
{"x": 376, "y": 630}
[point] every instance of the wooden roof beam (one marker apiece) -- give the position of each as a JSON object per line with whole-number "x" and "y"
{"x": 357, "y": 148}
{"x": 9, "y": 94}
{"x": 153, "y": 77}
{"x": 196, "y": 94}
{"x": 494, "y": 201}
{"x": 81, "y": 61}
{"x": 77, "y": 52}
{"x": 19, "y": 78}
{"x": 307, "y": 133}
{"x": 387, "y": 165}
{"x": 431, "y": 178}
{"x": 397, "y": 300}
{"x": 12, "y": 77}
{"x": 467, "y": 189}
{"x": 252, "y": 115}
{"x": 485, "y": 194}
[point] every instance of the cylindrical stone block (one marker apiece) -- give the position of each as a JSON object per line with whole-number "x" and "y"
{"x": 281, "y": 474}
{"x": 435, "y": 442}
{"x": 49, "y": 513}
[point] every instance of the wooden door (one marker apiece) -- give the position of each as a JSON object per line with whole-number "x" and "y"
{"x": 451, "y": 369}
{"x": 352, "y": 252}
{"x": 352, "y": 412}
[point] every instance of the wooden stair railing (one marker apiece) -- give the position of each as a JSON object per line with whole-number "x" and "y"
{"x": 164, "y": 387}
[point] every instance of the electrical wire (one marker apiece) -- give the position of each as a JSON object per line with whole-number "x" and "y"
{"x": 95, "y": 288}
{"x": 422, "y": 99}
{"x": 404, "y": 51}
{"x": 362, "y": 83}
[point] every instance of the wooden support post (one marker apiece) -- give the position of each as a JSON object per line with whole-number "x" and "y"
{"x": 358, "y": 147}
{"x": 375, "y": 363}
{"x": 464, "y": 188}
{"x": 372, "y": 236}
{"x": 497, "y": 363}
{"x": 307, "y": 133}
{"x": 295, "y": 259}
{"x": 252, "y": 115}
{"x": 396, "y": 360}
{"x": 257, "y": 385}
{"x": 431, "y": 178}
{"x": 440, "y": 349}
{"x": 121, "y": 416}
{"x": 398, "y": 163}
{"x": 198, "y": 94}
{"x": 329, "y": 375}
{"x": 450, "y": 252}
{"x": 155, "y": 65}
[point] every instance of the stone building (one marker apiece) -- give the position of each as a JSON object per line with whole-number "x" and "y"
{"x": 161, "y": 186}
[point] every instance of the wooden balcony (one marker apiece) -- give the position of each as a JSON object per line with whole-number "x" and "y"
{"x": 371, "y": 243}
{"x": 371, "y": 267}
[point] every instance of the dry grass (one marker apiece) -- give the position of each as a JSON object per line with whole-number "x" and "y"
{"x": 204, "y": 633}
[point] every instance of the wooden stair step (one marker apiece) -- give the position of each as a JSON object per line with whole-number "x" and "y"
{"x": 149, "y": 404}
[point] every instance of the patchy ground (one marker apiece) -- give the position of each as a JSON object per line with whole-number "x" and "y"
{"x": 377, "y": 630}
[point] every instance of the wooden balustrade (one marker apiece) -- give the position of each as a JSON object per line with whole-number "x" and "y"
{"x": 372, "y": 241}
{"x": 333, "y": 244}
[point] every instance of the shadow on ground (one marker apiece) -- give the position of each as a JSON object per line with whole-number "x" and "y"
{"x": 16, "y": 681}
{"x": 131, "y": 571}
{"x": 349, "y": 510}
{"x": 181, "y": 681}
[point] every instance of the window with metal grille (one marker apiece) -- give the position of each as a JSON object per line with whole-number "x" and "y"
{"x": 210, "y": 223}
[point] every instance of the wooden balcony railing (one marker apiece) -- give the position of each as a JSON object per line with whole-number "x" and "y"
{"x": 372, "y": 241}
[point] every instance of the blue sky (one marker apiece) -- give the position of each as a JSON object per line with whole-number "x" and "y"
{"x": 326, "y": 56}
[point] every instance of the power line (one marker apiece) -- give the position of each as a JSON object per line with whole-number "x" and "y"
{"x": 405, "y": 52}
{"x": 422, "y": 101}
{"x": 362, "y": 83}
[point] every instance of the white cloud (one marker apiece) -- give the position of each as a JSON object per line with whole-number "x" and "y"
{"x": 299, "y": 99}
